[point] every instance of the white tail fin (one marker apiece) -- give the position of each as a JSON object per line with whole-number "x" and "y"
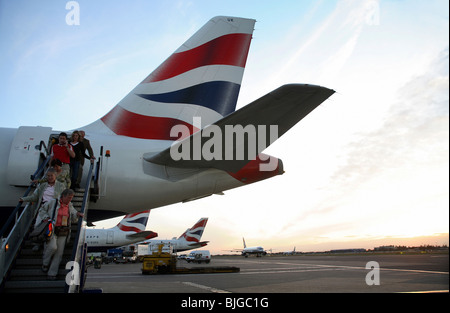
{"x": 201, "y": 78}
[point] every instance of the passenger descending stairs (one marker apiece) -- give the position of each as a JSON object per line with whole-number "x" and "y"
{"x": 27, "y": 276}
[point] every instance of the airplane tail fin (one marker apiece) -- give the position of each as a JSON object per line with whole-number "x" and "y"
{"x": 245, "y": 246}
{"x": 183, "y": 235}
{"x": 194, "y": 234}
{"x": 201, "y": 78}
{"x": 135, "y": 222}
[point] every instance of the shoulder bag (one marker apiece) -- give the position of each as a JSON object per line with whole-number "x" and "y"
{"x": 44, "y": 230}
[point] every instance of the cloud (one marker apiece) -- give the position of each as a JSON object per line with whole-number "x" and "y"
{"x": 416, "y": 127}
{"x": 390, "y": 176}
{"x": 330, "y": 45}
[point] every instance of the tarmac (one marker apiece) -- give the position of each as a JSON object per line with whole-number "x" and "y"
{"x": 356, "y": 273}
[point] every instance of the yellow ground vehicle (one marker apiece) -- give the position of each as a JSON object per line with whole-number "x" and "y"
{"x": 166, "y": 263}
{"x": 159, "y": 262}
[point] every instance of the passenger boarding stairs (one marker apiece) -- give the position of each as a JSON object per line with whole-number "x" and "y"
{"x": 27, "y": 275}
{"x": 20, "y": 266}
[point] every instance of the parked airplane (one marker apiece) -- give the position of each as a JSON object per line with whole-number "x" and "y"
{"x": 292, "y": 252}
{"x": 259, "y": 251}
{"x": 197, "y": 86}
{"x": 190, "y": 239}
{"x": 131, "y": 229}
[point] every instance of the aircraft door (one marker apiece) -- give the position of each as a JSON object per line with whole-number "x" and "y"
{"x": 110, "y": 237}
{"x": 24, "y": 156}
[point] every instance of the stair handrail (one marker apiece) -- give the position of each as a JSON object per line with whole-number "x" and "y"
{"x": 12, "y": 241}
{"x": 75, "y": 280}
{"x": 95, "y": 195}
{"x": 13, "y": 214}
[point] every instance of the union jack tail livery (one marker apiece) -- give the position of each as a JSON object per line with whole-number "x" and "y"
{"x": 131, "y": 229}
{"x": 193, "y": 235}
{"x": 135, "y": 222}
{"x": 201, "y": 78}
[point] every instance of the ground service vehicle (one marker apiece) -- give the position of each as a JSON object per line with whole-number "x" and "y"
{"x": 199, "y": 256}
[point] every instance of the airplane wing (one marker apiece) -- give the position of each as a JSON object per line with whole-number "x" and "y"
{"x": 146, "y": 234}
{"x": 283, "y": 107}
{"x": 200, "y": 244}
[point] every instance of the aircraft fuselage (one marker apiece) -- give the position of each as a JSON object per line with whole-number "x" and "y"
{"x": 128, "y": 183}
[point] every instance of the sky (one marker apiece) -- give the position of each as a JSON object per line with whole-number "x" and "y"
{"x": 368, "y": 167}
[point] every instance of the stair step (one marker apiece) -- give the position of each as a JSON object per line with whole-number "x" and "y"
{"x": 37, "y": 262}
{"x": 37, "y": 286}
{"x": 28, "y": 254}
{"x": 33, "y": 274}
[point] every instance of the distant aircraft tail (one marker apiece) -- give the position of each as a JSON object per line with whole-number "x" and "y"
{"x": 135, "y": 222}
{"x": 194, "y": 234}
{"x": 201, "y": 78}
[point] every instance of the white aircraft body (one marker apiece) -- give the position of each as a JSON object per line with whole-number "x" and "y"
{"x": 186, "y": 102}
{"x": 190, "y": 239}
{"x": 131, "y": 229}
{"x": 258, "y": 251}
{"x": 291, "y": 252}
